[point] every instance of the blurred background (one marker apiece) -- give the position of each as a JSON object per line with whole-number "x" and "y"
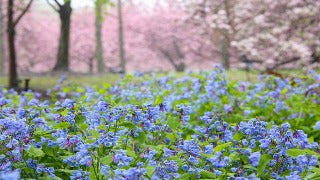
{"x": 41, "y": 38}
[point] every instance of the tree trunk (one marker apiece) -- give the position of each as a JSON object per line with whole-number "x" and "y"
{"x": 91, "y": 64}
{"x": 315, "y": 57}
{"x": 2, "y": 45}
{"x": 99, "y": 46}
{"x": 13, "y": 75}
{"x": 227, "y": 36}
{"x": 121, "y": 39}
{"x": 62, "y": 63}
{"x": 225, "y": 52}
{"x": 180, "y": 67}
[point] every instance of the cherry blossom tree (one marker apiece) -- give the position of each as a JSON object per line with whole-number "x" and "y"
{"x": 280, "y": 32}
{"x": 168, "y": 35}
{"x": 156, "y": 40}
{"x": 217, "y": 19}
{"x": 37, "y": 47}
{"x": 273, "y": 33}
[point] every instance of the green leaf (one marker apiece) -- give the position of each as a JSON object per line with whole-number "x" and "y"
{"x": 127, "y": 124}
{"x": 284, "y": 91}
{"x": 89, "y": 141}
{"x": 316, "y": 170}
{"x": 158, "y": 100}
{"x": 234, "y": 156}
{"x": 208, "y": 175}
{"x": 50, "y": 151}
{"x": 102, "y": 127}
{"x": 131, "y": 153}
{"x": 47, "y": 177}
{"x": 62, "y": 125}
{"x": 19, "y": 165}
{"x": 95, "y": 133}
{"x": 187, "y": 132}
{"x": 269, "y": 125}
{"x": 185, "y": 176}
{"x": 222, "y": 146}
{"x": 171, "y": 136}
{"x": 264, "y": 160}
{"x": 249, "y": 166}
{"x": 142, "y": 137}
{"x": 83, "y": 126}
{"x": 80, "y": 119}
{"x": 35, "y": 152}
{"x": 150, "y": 170}
{"x": 297, "y": 152}
{"x": 166, "y": 93}
{"x": 238, "y": 136}
{"x": 92, "y": 173}
{"x": 117, "y": 100}
{"x": 106, "y": 160}
{"x": 207, "y": 155}
{"x": 173, "y": 122}
{"x": 67, "y": 171}
{"x": 311, "y": 139}
{"x": 181, "y": 101}
{"x": 157, "y": 148}
{"x": 314, "y": 176}
{"x": 107, "y": 85}
{"x": 64, "y": 112}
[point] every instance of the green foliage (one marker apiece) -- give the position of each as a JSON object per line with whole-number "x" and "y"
{"x": 35, "y": 152}
{"x": 152, "y": 128}
{"x": 207, "y": 175}
{"x": 298, "y": 152}
{"x": 264, "y": 160}
{"x": 222, "y": 147}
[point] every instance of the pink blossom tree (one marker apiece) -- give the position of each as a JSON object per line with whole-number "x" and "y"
{"x": 167, "y": 34}
{"x": 156, "y": 40}
{"x": 273, "y": 33}
{"x": 37, "y": 47}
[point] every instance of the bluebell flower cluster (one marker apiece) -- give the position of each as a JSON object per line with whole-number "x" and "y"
{"x": 121, "y": 159}
{"x": 40, "y": 168}
{"x": 200, "y": 126}
{"x": 80, "y": 175}
{"x": 166, "y": 170}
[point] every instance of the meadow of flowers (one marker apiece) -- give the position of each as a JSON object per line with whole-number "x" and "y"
{"x": 199, "y": 126}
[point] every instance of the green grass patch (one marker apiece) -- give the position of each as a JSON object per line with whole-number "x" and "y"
{"x": 48, "y": 81}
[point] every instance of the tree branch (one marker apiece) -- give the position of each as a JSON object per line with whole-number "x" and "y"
{"x": 284, "y": 63}
{"x": 178, "y": 50}
{"x": 58, "y": 3}
{"x": 54, "y": 8}
{"x": 23, "y": 13}
{"x": 168, "y": 56}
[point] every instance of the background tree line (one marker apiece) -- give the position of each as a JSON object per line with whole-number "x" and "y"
{"x": 117, "y": 36}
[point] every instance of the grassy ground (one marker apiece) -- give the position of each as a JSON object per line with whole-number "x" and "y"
{"x": 47, "y": 81}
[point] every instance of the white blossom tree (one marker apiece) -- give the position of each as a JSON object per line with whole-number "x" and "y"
{"x": 273, "y": 33}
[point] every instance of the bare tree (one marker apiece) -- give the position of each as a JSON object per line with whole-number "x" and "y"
{"x": 121, "y": 38}
{"x": 11, "y": 33}
{"x": 2, "y": 45}
{"x": 99, "y": 46}
{"x": 64, "y": 10}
